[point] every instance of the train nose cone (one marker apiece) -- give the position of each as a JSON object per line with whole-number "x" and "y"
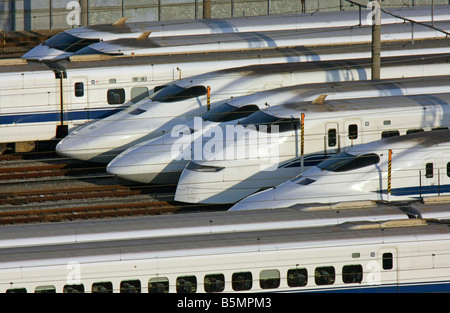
{"x": 126, "y": 167}
{"x": 76, "y": 148}
{"x": 261, "y": 200}
{"x": 43, "y": 52}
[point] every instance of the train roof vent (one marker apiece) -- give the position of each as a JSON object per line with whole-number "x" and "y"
{"x": 363, "y": 225}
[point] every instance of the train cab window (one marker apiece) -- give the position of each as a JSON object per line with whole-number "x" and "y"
{"x": 242, "y": 281}
{"x": 297, "y": 277}
{"x": 332, "y": 137}
{"x": 390, "y": 133}
{"x": 73, "y": 288}
{"x": 429, "y": 170}
{"x": 45, "y": 289}
{"x": 324, "y": 275}
{"x": 186, "y": 284}
{"x": 226, "y": 112}
{"x": 16, "y": 290}
{"x": 388, "y": 261}
{"x": 352, "y": 131}
{"x": 448, "y": 169}
{"x": 158, "y": 285}
{"x": 343, "y": 161}
{"x": 116, "y": 96}
{"x": 138, "y": 94}
{"x": 79, "y": 89}
{"x": 269, "y": 279}
{"x": 269, "y": 123}
{"x": 102, "y": 287}
{"x": 130, "y": 286}
{"x": 352, "y": 274}
{"x": 173, "y": 93}
{"x": 214, "y": 283}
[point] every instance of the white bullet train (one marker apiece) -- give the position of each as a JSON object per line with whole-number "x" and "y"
{"x": 264, "y": 40}
{"x": 67, "y": 43}
{"x": 161, "y": 160}
{"x": 407, "y": 255}
{"x": 408, "y": 167}
{"x": 106, "y": 138}
{"x": 283, "y": 141}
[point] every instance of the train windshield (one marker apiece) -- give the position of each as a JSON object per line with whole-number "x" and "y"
{"x": 226, "y": 112}
{"x": 343, "y": 162}
{"x": 174, "y": 93}
{"x": 69, "y": 43}
{"x": 192, "y": 166}
{"x": 269, "y": 123}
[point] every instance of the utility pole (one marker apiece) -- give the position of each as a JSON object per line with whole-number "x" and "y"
{"x": 376, "y": 39}
{"x": 84, "y": 12}
{"x": 206, "y": 8}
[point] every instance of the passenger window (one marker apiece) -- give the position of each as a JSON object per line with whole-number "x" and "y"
{"x": 448, "y": 169}
{"x": 73, "y": 288}
{"x": 324, "y": 275}
{"x": 269, "y": 279}
{"x": 410, "y": 131}
{"x": 79, "y": 89}
{"x": 45, "y": 289}
{"x": 352, "y": 274}
{"x": 388, "y": 261}
{"x": 158, "y": 285}
{"x": 102, "y": 287}
{"x": 17, "y": 290}
{"x": 429, "y": 170}
{"x": 390, "y": 133}
{"x": 138, "y": 93}
{"x": 186, "y": 284}
{"x": 116, "y": 96}
{"x": 130, "y": 286}
{"x": 332, "y": 137}
{"x": 242, "y": 281}
{"x": 297, "y": 277}
{"x": 352, "y": 131}
{"x": 214, "y": 283}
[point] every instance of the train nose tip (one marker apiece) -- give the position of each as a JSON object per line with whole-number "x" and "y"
{"x": 261, "y": 200}
{"x": 125, "y": 167}
{"x": 76, "y": 148}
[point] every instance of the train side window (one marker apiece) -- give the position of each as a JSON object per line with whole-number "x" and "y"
{"x": 138, "y": 93}
{"x": 352, "y": 274}
{"x": 429, "y": 170}
{"x": 241, "y": 281}
{"x": 352, "y": 131}
{"x": 73, "y": 288}
{"x": 116, "y": 96}
{"x": 186, "y": 284}
{"x": 390, "y": 133}
{"x": 79, "y": 89}
{"x": 214, "y": 283}
{"x": 448, "y": 169}
{"x": 297, "y": 277}
{"x": 388, "y": 261}
{"x": 16, "y": 290}
{"x": 45, "y": 289}
{"x": 130, "y": 286}
{"x": 269, "y": 279}
{"x": 414, "y": 130}
{"x": 102, "y": 287}
{"x": 158, "y": 285}
{"x": 324, "y": 275}
{"x": 332, "y": 137}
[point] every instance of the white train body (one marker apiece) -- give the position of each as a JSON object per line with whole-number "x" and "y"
{"x": 385, "y": 256}
{"x": 71, "y": 41}
{"x": 264, "y": 40}
{"x": 162, "y": 159}
{"x": 419, "y": 169}
{"x": 330, "y": 127}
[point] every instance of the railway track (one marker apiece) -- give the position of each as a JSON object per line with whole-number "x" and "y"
{"x": 46, "y": 188}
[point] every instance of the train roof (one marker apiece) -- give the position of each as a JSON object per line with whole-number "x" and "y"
{"x": 346, "y": 234}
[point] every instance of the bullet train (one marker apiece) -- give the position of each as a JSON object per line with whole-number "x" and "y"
{"x": 69, "y": 93}
{"x": 264, "y": 40}
{"x": 399, "y": 168}
{"x": 161, "y": 160}
{"x": 281, "y": 142}
{"x": 67, "y": 43}
{"x": 407, "y": 255}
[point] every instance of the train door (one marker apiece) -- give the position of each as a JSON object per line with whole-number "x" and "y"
{"x": 353, "y": 133}
{"x": 332, "y": 138}
{"x": 78, "y": 106}
{"x": 381, "y": 272}
{"x": 430, "y": 176}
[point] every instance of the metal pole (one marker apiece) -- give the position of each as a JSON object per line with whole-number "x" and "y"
{"x": 84, "y": 12}
{"x": 206, "y": 8}
{"x": 376, "y": 39}
{"x": 50, "y": 9}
